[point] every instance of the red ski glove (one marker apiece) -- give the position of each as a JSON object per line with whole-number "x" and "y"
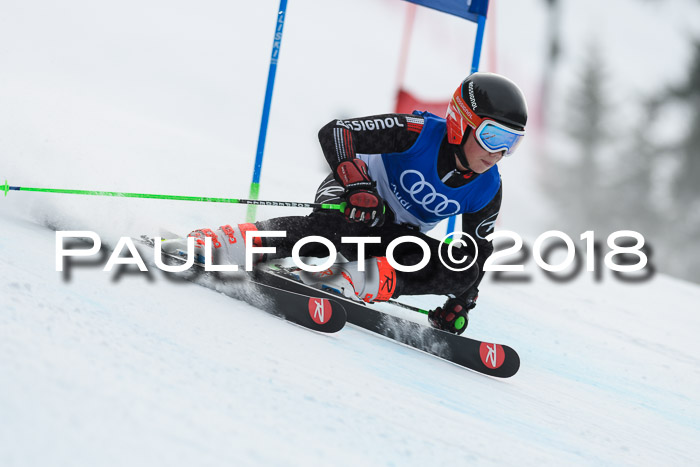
{"x": 363, "y": 203}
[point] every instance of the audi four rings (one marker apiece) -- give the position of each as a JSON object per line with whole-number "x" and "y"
{"x": 440, "y": 203}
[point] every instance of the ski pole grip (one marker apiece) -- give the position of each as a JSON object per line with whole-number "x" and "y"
{"x": 339, "y": 207}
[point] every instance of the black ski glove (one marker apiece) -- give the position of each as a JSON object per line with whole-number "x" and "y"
{"x": 362, "y": 202}
{"x": 453, "y": 316}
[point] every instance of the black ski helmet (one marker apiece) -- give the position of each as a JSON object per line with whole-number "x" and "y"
{"x": 488, "y": 95}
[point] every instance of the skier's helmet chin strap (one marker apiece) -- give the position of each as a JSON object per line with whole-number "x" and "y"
{"x": 459, "y": 149}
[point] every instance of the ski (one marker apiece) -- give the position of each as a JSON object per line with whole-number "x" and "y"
{"x": 484, "y": 357}
{"x": 310, "y": 310}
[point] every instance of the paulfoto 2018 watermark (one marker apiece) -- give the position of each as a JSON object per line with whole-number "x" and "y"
{"x": 625, "y": 254}
{"x": 626, "y": 244}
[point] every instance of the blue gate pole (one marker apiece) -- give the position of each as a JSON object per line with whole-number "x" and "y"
{"x": 276, "y": 44}
{"x": 481, "y": 26}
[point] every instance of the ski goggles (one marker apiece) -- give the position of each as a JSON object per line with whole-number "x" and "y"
{"x": 493, "y": 136}
{"x": 496, "y": 137}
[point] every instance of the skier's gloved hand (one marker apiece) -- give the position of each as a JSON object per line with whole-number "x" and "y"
{"x": 363, "y": 203}
{"x": 453, "y": 316}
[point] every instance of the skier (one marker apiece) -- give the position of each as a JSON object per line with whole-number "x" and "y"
{"x": 400, "y": 175}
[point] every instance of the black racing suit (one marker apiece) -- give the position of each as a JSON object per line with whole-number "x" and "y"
{"x": 339, "y": 142}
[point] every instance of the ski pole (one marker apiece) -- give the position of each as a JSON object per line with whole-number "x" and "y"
{"x": 294, "y": 204}
{"x": 408, "y": 307}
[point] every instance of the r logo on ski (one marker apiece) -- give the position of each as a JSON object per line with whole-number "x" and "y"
{"x": 492, "y": 355}
{"x": 320, "y": 310}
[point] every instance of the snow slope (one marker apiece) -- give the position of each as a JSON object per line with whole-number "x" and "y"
{"x": 136, "y": 369}
{"x": 129, "y": 368}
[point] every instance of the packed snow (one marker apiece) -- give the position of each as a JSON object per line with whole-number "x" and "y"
{"x": 134, "y": 368}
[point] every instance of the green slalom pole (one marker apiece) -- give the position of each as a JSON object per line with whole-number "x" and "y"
{"x": 292, "y": 204}
{"x": 408, "y": 307}
{"x": 119, "y": 194}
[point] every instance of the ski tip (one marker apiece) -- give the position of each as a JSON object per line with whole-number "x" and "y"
{"x": 499, "y": 360}
{"x": 5, "y": 187}
{"x": 327, "y": 315}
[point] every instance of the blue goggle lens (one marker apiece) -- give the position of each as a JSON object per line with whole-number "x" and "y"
{"x": 496, "y": 138}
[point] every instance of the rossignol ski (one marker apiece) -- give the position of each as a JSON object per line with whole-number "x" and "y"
{"x": 485, "y": 357}
{"x": 311, "y": 310}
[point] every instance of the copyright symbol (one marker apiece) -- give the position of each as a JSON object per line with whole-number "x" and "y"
{"x": 458, "y": 242}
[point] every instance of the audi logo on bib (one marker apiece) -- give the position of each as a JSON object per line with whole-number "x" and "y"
{"x": 424, "y": 194}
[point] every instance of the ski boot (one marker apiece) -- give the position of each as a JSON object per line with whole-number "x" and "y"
{"x": 377, "y": 283}
{"x": 228, "y": 245}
